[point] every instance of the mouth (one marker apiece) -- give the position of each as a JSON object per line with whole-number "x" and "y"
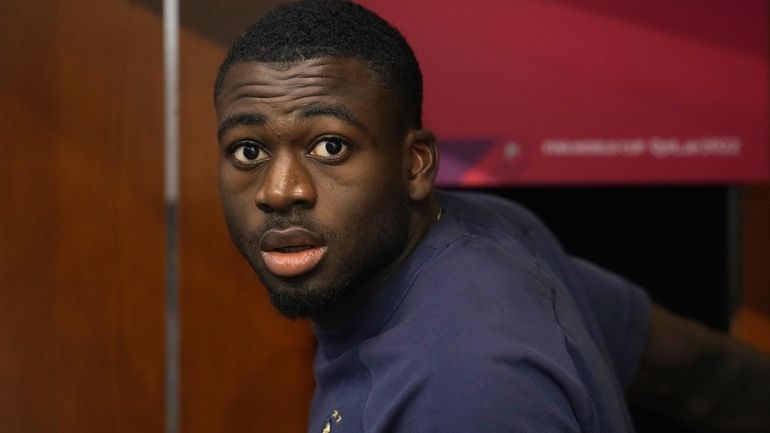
{"x": 291, "y": 252}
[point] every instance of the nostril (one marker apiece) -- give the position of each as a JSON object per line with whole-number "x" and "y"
{"x": 266, "y": 208}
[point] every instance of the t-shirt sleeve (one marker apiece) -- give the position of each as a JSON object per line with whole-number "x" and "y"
{"x": 621, "y": 312}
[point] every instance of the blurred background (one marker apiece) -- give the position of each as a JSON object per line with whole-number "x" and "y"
{"x": 637, "y": 130}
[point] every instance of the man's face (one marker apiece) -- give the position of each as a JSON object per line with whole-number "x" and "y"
{"x": 312, "y": 178}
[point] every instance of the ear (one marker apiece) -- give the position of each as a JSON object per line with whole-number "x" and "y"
{"x": 421, "y": 163}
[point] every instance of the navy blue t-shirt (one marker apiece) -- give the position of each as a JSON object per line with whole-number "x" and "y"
{"x": 488, "y": 326}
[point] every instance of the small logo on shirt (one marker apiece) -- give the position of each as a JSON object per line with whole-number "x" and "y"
{"x": 334, "y": 419}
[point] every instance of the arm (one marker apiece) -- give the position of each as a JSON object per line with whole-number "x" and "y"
{"x": 702, "y": 378}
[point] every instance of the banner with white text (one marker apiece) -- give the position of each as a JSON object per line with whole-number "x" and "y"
{"x": 591, "y": 91}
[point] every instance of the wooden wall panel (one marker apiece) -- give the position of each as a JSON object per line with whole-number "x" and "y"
{"x": 81, "y": 226}
{"x": 756, "y": 246}
{"x": 752, "y": 322}
{"x": 244, "y": 368}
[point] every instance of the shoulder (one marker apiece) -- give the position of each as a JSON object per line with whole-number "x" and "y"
{"x": 479, "y": 341}
{"x": 476, "y": 343}
{"x": 482, "y": 271}
{"x": 482, "y": 212}
{"x": 507, "y": 222}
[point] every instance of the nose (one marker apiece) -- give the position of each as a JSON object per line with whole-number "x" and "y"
{"x": 286, "y": 183}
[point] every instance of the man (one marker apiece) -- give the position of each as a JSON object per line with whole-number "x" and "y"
{"x": 434, "y": 311}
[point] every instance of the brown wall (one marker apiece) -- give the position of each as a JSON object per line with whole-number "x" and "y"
{"x": 81, "y": 226}
{"x": 752, "y": 322}
{"x": 82, "y": 237}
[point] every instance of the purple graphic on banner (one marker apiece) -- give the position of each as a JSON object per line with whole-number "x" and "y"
{"x": 458, "y": 156}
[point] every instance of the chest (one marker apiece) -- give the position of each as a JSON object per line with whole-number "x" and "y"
{"x": 342, "y": 386}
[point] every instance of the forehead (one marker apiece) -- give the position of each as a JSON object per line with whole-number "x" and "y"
{"x": 287, "y": 87}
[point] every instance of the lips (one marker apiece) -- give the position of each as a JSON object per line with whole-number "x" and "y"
{"x": 291, "y": 252}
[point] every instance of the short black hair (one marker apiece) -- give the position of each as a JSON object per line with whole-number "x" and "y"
{"x": 307, "y": 29}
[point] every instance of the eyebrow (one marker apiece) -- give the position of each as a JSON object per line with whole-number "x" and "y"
{"x": 256, "y": 119}
{"x": 337, "y": 111}
{"x": 259, "y": 119}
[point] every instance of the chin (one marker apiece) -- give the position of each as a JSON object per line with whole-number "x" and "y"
{"x": 297, "y": 299}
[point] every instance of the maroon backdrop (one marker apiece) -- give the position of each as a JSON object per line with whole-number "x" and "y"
{"x": 589, "y": 91}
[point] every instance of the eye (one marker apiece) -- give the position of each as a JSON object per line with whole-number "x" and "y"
{"x": 330, "y": 148}
{"x": 248, "y": 153}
